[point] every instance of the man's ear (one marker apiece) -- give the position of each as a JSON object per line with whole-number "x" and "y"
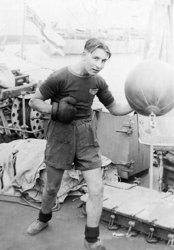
{"x": 84, "y": 53}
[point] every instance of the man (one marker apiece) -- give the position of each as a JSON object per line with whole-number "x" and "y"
{"x": 71, "y": 134}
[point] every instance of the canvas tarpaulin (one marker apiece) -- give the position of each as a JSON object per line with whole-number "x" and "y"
{"x": 159, "y": 45}
{"x": 22, "y": 171}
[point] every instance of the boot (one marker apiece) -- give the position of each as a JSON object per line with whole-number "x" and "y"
{"x": 94, "y": 246}
{"x": 36, "y": 227}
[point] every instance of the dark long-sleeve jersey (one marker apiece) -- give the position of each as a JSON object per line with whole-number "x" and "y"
{"x": 64, "y": 83}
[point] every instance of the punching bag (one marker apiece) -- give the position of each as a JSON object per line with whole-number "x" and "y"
{"x": 149, "y": 88}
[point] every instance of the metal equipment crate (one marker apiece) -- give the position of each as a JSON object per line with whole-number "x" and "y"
{"x": 141, "y": 209}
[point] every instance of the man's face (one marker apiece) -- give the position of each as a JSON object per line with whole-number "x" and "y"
{"x": 94, "y": 62}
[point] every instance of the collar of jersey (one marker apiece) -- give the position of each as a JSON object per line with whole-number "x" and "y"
{"x": 78, "y": 75}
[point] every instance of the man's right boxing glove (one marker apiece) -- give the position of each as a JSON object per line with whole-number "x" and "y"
{"x": 65, "y": 110}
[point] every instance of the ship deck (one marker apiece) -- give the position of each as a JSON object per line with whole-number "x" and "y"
{"x": 66, "y": 230}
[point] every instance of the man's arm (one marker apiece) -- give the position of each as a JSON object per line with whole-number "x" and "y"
{"x": 37, "y": 102}
{"x": 119, "y": 109}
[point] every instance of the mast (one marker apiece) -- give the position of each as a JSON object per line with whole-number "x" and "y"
{"x": 23, "y": 32}
{"x": 172, "y": 27}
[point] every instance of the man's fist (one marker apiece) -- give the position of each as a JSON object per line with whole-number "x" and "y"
{"x": 65, "y": 110}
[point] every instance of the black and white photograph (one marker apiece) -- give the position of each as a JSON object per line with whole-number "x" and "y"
{"x": 86, "y": 124}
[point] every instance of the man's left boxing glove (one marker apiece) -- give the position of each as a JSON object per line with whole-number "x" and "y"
{"x": 65, "y": 110}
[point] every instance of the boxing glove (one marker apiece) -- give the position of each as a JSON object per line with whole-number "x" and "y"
{"x": 65, "y": 110}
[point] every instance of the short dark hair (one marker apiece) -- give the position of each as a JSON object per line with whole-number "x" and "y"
{"x": 94, "y": 43}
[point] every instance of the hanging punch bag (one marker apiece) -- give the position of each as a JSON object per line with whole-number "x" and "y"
{"x": 149, "y": 88}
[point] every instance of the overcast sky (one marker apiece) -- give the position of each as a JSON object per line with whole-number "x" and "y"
{"x": 75, "y": 14}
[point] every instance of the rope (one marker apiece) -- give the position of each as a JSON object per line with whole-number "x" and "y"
{"x": 23, "y": 201}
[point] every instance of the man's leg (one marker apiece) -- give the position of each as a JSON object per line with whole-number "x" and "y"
{"x": 94, "y": 203}
{"x": 54, "y": 178}
{"x": 94, "y": 206}
{"x": 53, "y": 182}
